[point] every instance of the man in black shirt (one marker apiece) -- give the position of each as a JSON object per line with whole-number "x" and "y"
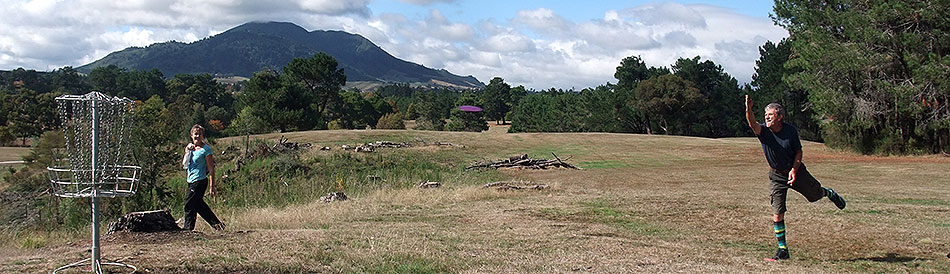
{"x": 783, "y": 150}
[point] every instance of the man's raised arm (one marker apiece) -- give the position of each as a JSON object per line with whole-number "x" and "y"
{"x": 750, "y": 116}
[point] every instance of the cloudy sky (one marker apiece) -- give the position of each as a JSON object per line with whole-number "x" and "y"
{"x": 538, "y": 44}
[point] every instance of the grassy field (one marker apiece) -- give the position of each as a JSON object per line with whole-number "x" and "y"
{"x": 13, "y": 153}
{"x": 641, "y": 204}
{"x": 10, "y": 154}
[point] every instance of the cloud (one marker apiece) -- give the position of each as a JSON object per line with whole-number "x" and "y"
{"x": 538, "y": 48}
{"x": 667, "y": 13}
{"x": 508, "y": 42}
{"x": 47, "y": 33}
{"x": 544, "y": 21}
{"x": 679, "y": 38}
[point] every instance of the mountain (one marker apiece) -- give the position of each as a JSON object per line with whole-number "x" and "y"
{"x": 251, "y": 47}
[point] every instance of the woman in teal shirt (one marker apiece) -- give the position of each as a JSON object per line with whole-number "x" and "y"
{"x": 199, "y": 161}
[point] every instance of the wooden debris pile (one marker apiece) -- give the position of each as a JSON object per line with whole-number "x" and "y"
{"x": 145, "y": 221}
{"x": 334, "y": 197}
{"x": 282, "y": 146}
{"x": 523, "y": 161}
{"x": 371, "y": 147}
{"x": 365, "y": 148}
{"x": 430, "y": 184}
{"x": 520, "y": 185}
{"x": 437, "y": 143}
{"x": 447, "y": 144}
{"x": 388, "y": 144}
{"x": 229, "y": 150}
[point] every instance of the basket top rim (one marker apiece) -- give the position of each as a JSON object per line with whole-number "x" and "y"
{"x": 93, "y": 96}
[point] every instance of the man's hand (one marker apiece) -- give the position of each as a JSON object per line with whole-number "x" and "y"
{"x": 750, "y": 117}
{"x": 791, "y": 176}
{"x": 211, "y": 192}
{"x": 748, "y": 103}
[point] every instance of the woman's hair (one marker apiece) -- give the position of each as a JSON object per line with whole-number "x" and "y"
{"x": 199, "y": 128}
{"x": 201, "y": 131}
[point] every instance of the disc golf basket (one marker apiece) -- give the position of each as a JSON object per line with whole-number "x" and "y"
{"x": 97, "y": 130}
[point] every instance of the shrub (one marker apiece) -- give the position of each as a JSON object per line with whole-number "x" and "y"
{"x": 336, "y": 124}
{"x": 391, "y": 121}
{"x": 217, "y": 125}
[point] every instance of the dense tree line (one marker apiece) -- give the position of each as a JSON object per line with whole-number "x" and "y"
{"x": 694, "y": 97}
{"x": 877, "y": 72}
{"x": 870, "y": 76}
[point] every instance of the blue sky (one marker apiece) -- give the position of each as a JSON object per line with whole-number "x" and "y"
{"x": 474, "y": 11}
{"x": 538, "y": 44}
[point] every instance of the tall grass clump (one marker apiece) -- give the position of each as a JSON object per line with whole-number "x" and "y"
{"x": 306, "y": 175}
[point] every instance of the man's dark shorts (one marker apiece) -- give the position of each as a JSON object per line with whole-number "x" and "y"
{"x": 805, "y": 184}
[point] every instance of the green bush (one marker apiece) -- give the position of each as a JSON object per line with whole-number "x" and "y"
{"x": 391, "y": 121}
{"x": 336, "y": 125}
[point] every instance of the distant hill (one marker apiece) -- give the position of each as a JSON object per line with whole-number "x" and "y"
{"x": 252, "y": 47}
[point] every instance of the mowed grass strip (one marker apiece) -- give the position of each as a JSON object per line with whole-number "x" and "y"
{"x": 13, "y": 153}
{"x": 10, "y": 154}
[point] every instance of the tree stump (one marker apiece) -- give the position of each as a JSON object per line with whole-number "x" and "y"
{"x": 145, "y": 221}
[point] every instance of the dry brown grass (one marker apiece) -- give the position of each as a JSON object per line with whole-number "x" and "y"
{"x": 10, "y": 154}
{"x": 13, "y": 153}
{"x": 642, "y": 204}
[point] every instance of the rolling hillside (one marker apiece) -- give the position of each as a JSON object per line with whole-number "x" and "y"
{"x": 257, "y": 46}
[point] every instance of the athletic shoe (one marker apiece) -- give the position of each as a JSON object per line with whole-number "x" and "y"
{"x": 781, "y": 254}
{"x": 837, "y": 199}
{"x": 219, "y": 227}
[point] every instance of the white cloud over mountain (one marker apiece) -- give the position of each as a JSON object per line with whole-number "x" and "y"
{"x": 538, "y": 48}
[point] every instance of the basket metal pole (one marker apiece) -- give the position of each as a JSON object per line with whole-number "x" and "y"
{"x": 95, "y": 191}
{"x": 97, "y": 268}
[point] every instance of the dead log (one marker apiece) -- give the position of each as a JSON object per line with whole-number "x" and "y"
{"x": 523, "y": 161}
{"x": 447, "y": 144}
{"x": 362, "y": 148}
{"x": 230, "y": 149}
{"x": 389, "y": 144}
{"x": 145, "y": 221}
{"x": 430, "y": 185}
{"x": 334, "y": 197}
{"x": 515, "y": 186}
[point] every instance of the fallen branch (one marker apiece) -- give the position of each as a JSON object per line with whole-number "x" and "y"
{"x": 563, "y": 163}
{"x": 430, "y": 184}
{"x": 523, "y": 161}
{"x": 282, "y": 146}
{"x": 447, "y": 144}
{"x": 333, "y": 197}
{"x": 515, "y": 186}
{"x": 389, "y": 144}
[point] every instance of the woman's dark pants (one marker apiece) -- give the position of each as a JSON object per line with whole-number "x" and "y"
{"x": 195, "y": 205}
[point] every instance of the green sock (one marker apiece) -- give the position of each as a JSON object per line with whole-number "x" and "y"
{"x": 828, "y": 192}
{"x": 780, "y": 234}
